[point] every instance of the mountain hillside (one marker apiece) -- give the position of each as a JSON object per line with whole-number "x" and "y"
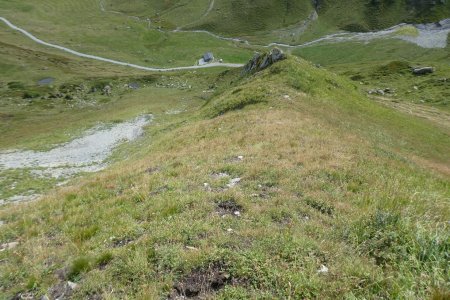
{"x": 224, "y": 149}
{"x": 243, "y": 17}
{"x": 378, "y": 14}
{"x": 284, "y": 184}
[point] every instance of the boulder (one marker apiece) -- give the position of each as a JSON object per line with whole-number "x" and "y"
{"x": 380, "y": 92}
{"x": 261, "y": 61}
{"x": 423, "y": 71}
{"x": 8, "y": 246}
{"x": 107, "y": 90}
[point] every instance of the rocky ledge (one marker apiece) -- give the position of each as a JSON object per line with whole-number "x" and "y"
{"x": 260, "y": 61}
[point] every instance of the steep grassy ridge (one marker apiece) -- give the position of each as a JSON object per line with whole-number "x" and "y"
{"x": 338, "y": 198}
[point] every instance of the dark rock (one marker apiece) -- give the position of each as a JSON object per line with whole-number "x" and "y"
{"x": 229, "y": 207}
{"x": 261, "y": 61}
{"x": 380, "y": 92}
{"x": 46, "y": 81}
{"x": 423, "y": 71}
{"x": 276, "y": 55}
{"x": 133, "y": 85}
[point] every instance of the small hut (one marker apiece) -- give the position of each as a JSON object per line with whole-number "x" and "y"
{"x": 207, "y": 58}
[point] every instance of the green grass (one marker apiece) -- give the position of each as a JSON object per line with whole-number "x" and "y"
{"x": 371, "y": 65}
{"x": 327, "y": 178}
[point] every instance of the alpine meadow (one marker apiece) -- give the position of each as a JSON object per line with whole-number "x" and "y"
{"x": 224, "y": 149}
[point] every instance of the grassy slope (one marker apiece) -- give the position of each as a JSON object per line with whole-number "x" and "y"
{"x": 387, "y": 63}
{"x": 328, "y": 177}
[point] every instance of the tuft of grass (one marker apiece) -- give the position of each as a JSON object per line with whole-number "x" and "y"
{"x": 320, "y": 206}
{"x": 104, "y": 259}
{"x": 78, "y": 266}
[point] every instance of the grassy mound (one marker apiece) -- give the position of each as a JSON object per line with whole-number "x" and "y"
{"x": 309, "y": 190}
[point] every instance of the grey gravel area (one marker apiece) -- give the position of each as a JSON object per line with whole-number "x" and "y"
{"x": 434, "y": 35}
{"x": 85, "y": 154}
{"x": 89, "y": 151}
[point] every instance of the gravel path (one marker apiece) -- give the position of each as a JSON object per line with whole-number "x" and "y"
{"x": 111, "y": 61}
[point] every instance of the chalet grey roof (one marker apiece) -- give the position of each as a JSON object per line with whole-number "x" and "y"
{"x": 208, "y": 56}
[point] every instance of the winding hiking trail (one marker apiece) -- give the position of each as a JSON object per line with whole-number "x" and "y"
{"x": 111, "y": 61}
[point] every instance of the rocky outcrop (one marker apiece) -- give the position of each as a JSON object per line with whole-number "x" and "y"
{"x": 261, "y": 61}
{"x": 107, "y": 90}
